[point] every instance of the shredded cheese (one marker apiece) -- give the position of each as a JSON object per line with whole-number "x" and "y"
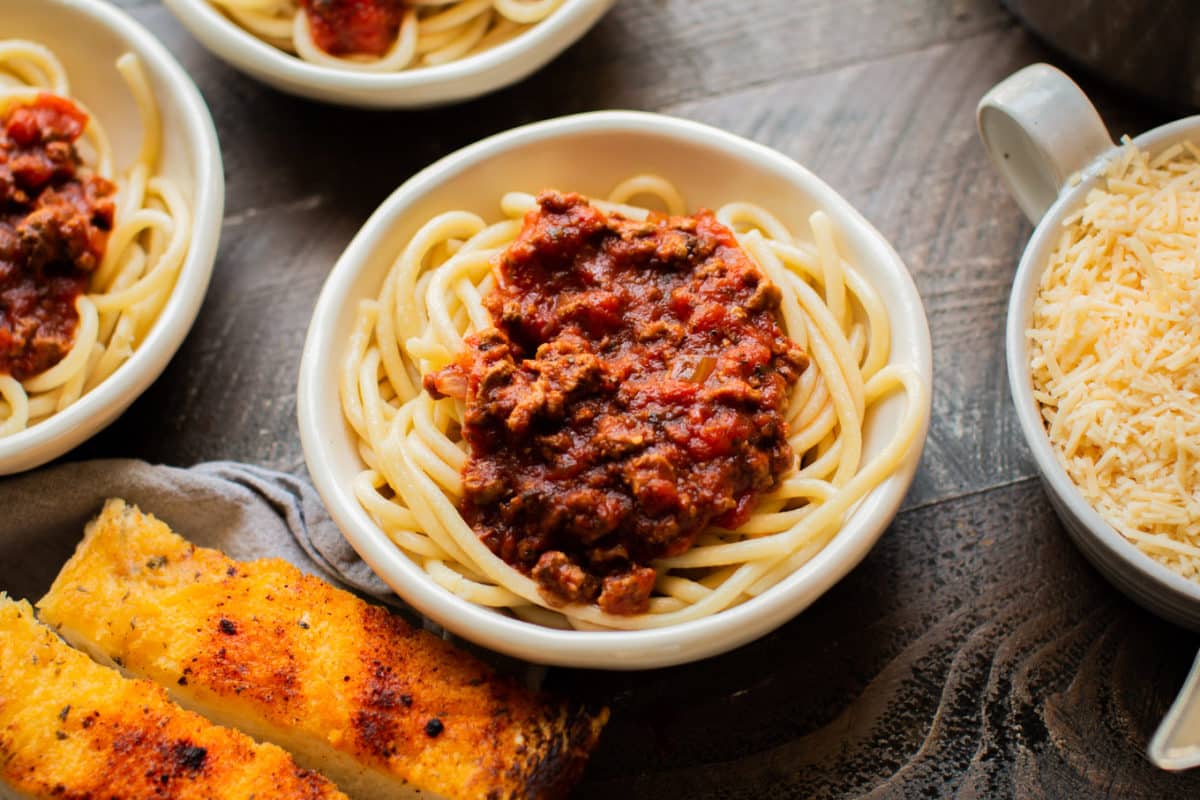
{"x": 1115, "y": 351}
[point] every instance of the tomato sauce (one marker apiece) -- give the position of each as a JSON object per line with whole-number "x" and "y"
{"x": 54, "y": 224}
{"x": 354, "y": 27}
{"x": 631, "y": 393}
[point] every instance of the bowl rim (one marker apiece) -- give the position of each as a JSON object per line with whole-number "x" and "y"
{"x": 1020, "y": 310}
{"x": 270, "y": 59}
{"x": 68, "y": 428}
{"x": 654, "y": 647}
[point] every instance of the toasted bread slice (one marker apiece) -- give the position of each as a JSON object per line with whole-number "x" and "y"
{"x": 72, "y": 728}
{"x": 382, "y": 708}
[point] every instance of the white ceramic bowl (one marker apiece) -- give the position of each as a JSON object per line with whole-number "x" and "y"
{"x": 415, "y": 88}
{"x": 591, "y": 153}
{"x": 1049, "y": 143}
{"x": 1051, "y": 147}
{"x": 88, "y": 36}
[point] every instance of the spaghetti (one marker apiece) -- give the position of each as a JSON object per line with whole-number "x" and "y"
{"x": 414, "y": 452}
{"x": 136, "y": 259}
{"x": 386, "y": 35}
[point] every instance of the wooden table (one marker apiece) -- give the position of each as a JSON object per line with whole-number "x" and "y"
{"x": 974, "y": 652}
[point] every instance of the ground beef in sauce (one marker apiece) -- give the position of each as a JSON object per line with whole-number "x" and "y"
{"x": 54, "y": 224}
{"x": 354, "y": 27}
{"x": 630, "y": 394}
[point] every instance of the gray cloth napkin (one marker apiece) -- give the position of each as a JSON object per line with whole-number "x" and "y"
{"x": 246, "y": 511}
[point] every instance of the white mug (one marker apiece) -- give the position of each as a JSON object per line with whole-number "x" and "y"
{"x": 1048, "y": 142}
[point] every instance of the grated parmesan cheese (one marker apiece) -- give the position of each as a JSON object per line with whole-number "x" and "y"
{"x": 1115, "y": 351}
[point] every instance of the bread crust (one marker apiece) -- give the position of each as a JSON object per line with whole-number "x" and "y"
{"x": 380, "y": 707}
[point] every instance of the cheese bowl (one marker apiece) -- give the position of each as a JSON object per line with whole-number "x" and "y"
{"x": 1051, "y": 147}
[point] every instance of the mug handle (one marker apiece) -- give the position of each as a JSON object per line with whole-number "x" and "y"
{"x": 1039, "y": 129}
{"x": 1176, "y": 743}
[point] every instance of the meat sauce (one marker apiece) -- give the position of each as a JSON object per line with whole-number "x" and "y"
{"x": 354, "y": 27}
{"x": 54, "y": 225}
{"x": 630, "y": 394}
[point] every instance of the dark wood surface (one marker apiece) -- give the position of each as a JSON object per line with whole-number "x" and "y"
{"x": 974, "y": 652}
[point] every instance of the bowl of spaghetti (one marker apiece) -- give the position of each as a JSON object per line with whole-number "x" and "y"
{"x": 113, "y": 196}
{"x": 619, "y": 411}
{"x": 388, "y": 53}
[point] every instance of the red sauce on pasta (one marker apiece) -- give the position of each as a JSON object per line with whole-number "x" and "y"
{"x": 631, "y": 393}
{"x": 354, "y": 27}
{"x": 54, "y": 224}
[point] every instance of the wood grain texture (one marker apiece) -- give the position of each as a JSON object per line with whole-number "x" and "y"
{"x": 974, "y": 653}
